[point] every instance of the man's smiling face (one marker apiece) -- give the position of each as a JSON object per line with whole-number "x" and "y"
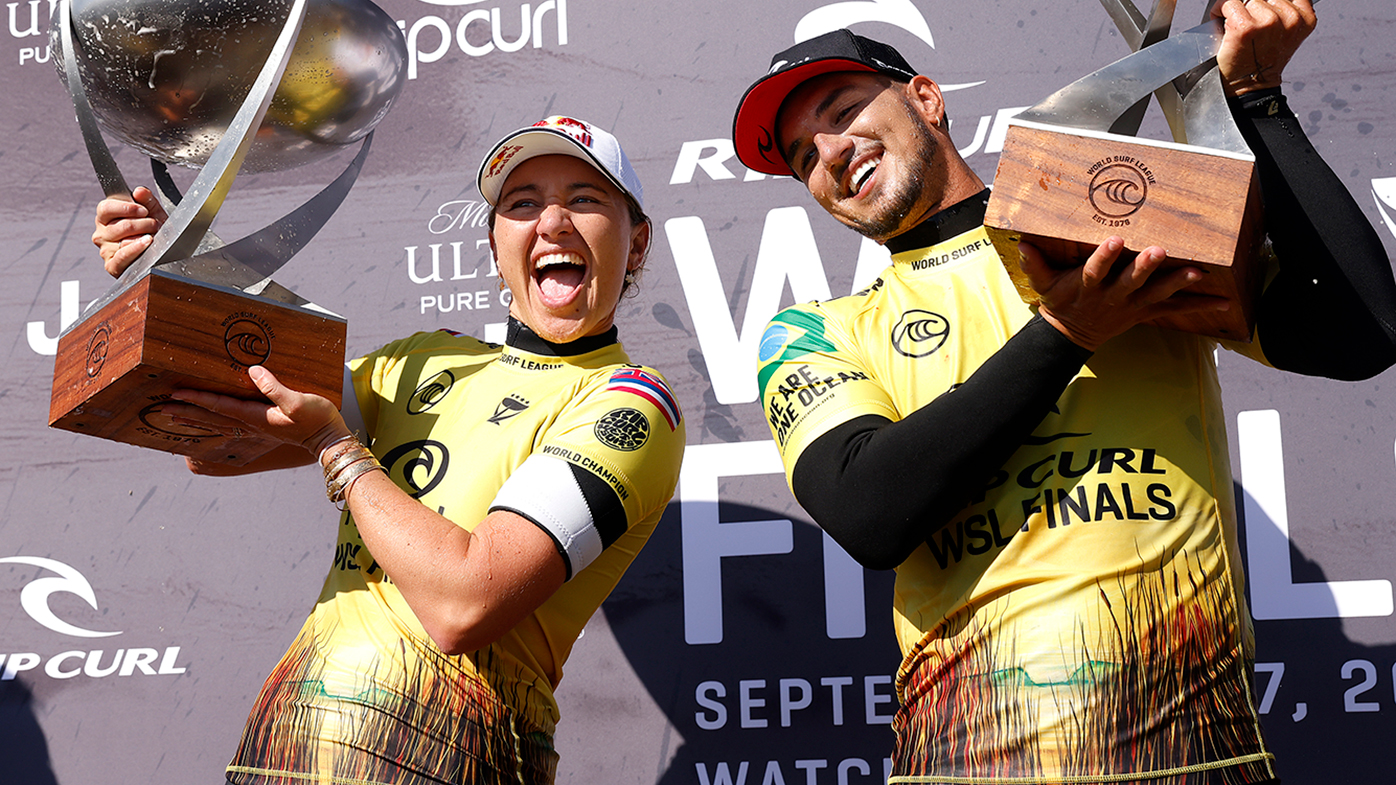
{"x": 865, "y": 149}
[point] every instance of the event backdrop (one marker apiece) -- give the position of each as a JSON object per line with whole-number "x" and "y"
{"x": 141, "y": 606}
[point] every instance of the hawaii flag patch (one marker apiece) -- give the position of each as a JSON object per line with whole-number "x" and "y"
{"x": 650, "y": 387}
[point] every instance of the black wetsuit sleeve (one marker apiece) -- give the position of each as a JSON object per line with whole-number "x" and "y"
{"x": 1331, "y": 308}
{"x": 880, "y": 487}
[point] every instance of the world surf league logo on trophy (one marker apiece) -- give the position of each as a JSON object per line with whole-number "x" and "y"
{"x": 1073, "y": 173}
{"x": 223, "y": 86}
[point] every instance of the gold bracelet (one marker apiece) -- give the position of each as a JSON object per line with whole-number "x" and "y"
{"x": 338, "y": 488}
{"x": 349, "y": 484}
{"x": 334, "y": 487}
{"x": 330, "y": 446}
{"x": 348, "y": 465}
{"x": 352, "y": 455}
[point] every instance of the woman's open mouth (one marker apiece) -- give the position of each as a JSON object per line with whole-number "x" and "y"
{"x": 559, "y": 276}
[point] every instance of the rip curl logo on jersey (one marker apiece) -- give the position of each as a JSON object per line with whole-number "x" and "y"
{"x": 636, "y": 381}
{"x": 247, "y": 339}
{"x": 623, "y": 429}
{"x": 421, "y": 465}
{"x": 34, "y": 597}
{"x": 430, "y": 392}
{"x": 919, "y": 333}
{"x": 574, "y": 128}
{"x": 1384, "y": 189}
{"x": 508, "y": 409}
{"x": 97, "y": 347}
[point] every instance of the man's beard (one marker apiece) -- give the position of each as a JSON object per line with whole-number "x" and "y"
{"x": 900, "y": 198}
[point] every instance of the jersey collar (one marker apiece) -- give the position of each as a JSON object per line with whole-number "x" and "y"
{"x": 953, "y": 221}
{"x": 521, "y": 337}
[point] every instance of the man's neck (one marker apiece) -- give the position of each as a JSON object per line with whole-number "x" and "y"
{"x": 958, "y": 218}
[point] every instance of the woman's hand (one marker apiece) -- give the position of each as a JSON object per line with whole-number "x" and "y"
{"x": 126, "y": 228}
{"x": 302, "y": 419}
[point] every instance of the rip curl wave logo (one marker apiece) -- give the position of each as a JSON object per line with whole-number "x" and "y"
{"x": 919, "y": 333}
{"x": 421, "y": 464}
{"x": 34, "y": 597}
{"x": 898, "y": 13}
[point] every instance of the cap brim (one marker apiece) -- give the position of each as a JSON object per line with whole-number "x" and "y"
{"x": 533, "y": 142}
{"x": 754, "y": 126}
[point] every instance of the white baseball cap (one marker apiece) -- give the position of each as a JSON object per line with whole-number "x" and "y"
{"x": 558, "y": 135}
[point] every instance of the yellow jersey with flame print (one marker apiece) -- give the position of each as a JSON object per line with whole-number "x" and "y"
{"x": 1084, "y": 615}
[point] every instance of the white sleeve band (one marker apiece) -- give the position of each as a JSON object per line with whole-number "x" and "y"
{"x": 544, "y": 491}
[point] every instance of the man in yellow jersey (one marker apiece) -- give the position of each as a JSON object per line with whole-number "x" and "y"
{"x": 1051, "y": 483}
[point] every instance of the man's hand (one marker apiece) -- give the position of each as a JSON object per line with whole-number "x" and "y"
{"x": 1261, "y": 36}
{"x": 125, "y": 228}
{"x": 1102, "y": 298}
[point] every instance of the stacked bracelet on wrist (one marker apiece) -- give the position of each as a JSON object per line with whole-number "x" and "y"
{"x": 321, "y": 456}
{"x": 347, "y": 466}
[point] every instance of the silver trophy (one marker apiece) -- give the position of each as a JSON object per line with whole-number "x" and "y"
{"x": 1180, "y": 71}
{"x": 1073, "y": 172}
{"x": 223, "y": 86}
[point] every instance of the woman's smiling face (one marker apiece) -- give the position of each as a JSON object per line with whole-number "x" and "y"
{"x": 564, "y": 239}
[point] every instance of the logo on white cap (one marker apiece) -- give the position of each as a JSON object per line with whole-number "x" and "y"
{"x": 559, "y": 135}
{"x": 577, "y": 129}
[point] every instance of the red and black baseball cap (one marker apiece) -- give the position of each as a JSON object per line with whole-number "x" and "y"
{"x": 754, "y": 126}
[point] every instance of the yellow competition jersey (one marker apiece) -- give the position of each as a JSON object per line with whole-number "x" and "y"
{"x": 364, "y": 695}
{"x": 1084, "y": 615}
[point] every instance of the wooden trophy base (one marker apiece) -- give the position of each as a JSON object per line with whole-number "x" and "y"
{"x": 1067, "y": 190}
{"x": 116, "y": 368}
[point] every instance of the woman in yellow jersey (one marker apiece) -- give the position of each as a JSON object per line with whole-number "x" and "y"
{"x": 494, "y": 495}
